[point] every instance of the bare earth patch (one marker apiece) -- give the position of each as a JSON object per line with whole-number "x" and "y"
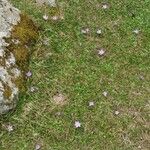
{"x": 59, "y": 99}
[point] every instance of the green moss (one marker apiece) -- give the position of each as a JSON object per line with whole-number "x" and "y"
{"x": 26, "y": 32}
{"x": 7, "y": 91}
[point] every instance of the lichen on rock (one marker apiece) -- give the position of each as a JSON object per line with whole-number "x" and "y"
{"x": 17, "y": 33}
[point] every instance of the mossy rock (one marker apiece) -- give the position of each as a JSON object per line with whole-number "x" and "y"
{"x": 18, "y": 35}
{"x": 25, "y": 34}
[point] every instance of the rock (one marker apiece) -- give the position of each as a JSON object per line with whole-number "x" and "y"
{"x": 14, "y": 56}
{"x": 47, "y": 2}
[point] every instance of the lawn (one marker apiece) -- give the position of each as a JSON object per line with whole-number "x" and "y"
{"x": 88, "y": 90}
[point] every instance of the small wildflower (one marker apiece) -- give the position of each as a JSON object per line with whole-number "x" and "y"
{"x": 55, "y": 18}
{"x": 105, "y": 6}
{"x": 9, "y": 128}
{"x": 141, "y": 77}
{"x": 117, "y": 112}
{"x": 37, "y": 147}
{"x": 101, "y": 52}
{"x": 45, "y": 17}
{"x": 29, "y": 74}
{"x": 46, "y": 41}
{"x": 33, "y": 89}
{"x": 85, "y": 31}
{"x": 77, "y": 124}
{"x": 91, "y": 104}
{"x": 105, "y": 93}
{"x": 58, "y": 113}
{"x": 99, "y": 31}
{"x": 136, "y": 31}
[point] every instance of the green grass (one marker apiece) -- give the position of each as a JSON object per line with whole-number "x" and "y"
{"x": 70, "y": 65}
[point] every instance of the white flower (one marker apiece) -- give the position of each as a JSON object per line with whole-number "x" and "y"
{"x": 105, "y": 93}
{"x": 46, "y": 41}
{"x": 9, "y": 128}
{"x": 105, "y": 6}
{"x": 55, "y": 18}
{"x": 33, "y": 89}
{"x": 77, "y": 124}
{"x": 45, "y": 17}
{"x": 136, "y": 31}
{"x": 117, "y": 112}
{"x": 58, "y": 113}
{"x": 101, "y": 52}
{"x": 91, "y": 104}
{"x": 99, "y": 31}
{"x": 85, "y": 31}
{"x": 37, "y": 147}
{"x": 141, "y": 77}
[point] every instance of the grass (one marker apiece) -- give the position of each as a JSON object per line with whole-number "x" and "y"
{"x": 70, "y": 65}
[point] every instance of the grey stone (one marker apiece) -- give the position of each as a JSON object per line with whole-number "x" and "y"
{"x": 9, "y": 16}
{"x": 11, "y": 57}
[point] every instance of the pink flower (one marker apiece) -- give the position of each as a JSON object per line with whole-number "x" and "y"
{"x": 29, "y": 74}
